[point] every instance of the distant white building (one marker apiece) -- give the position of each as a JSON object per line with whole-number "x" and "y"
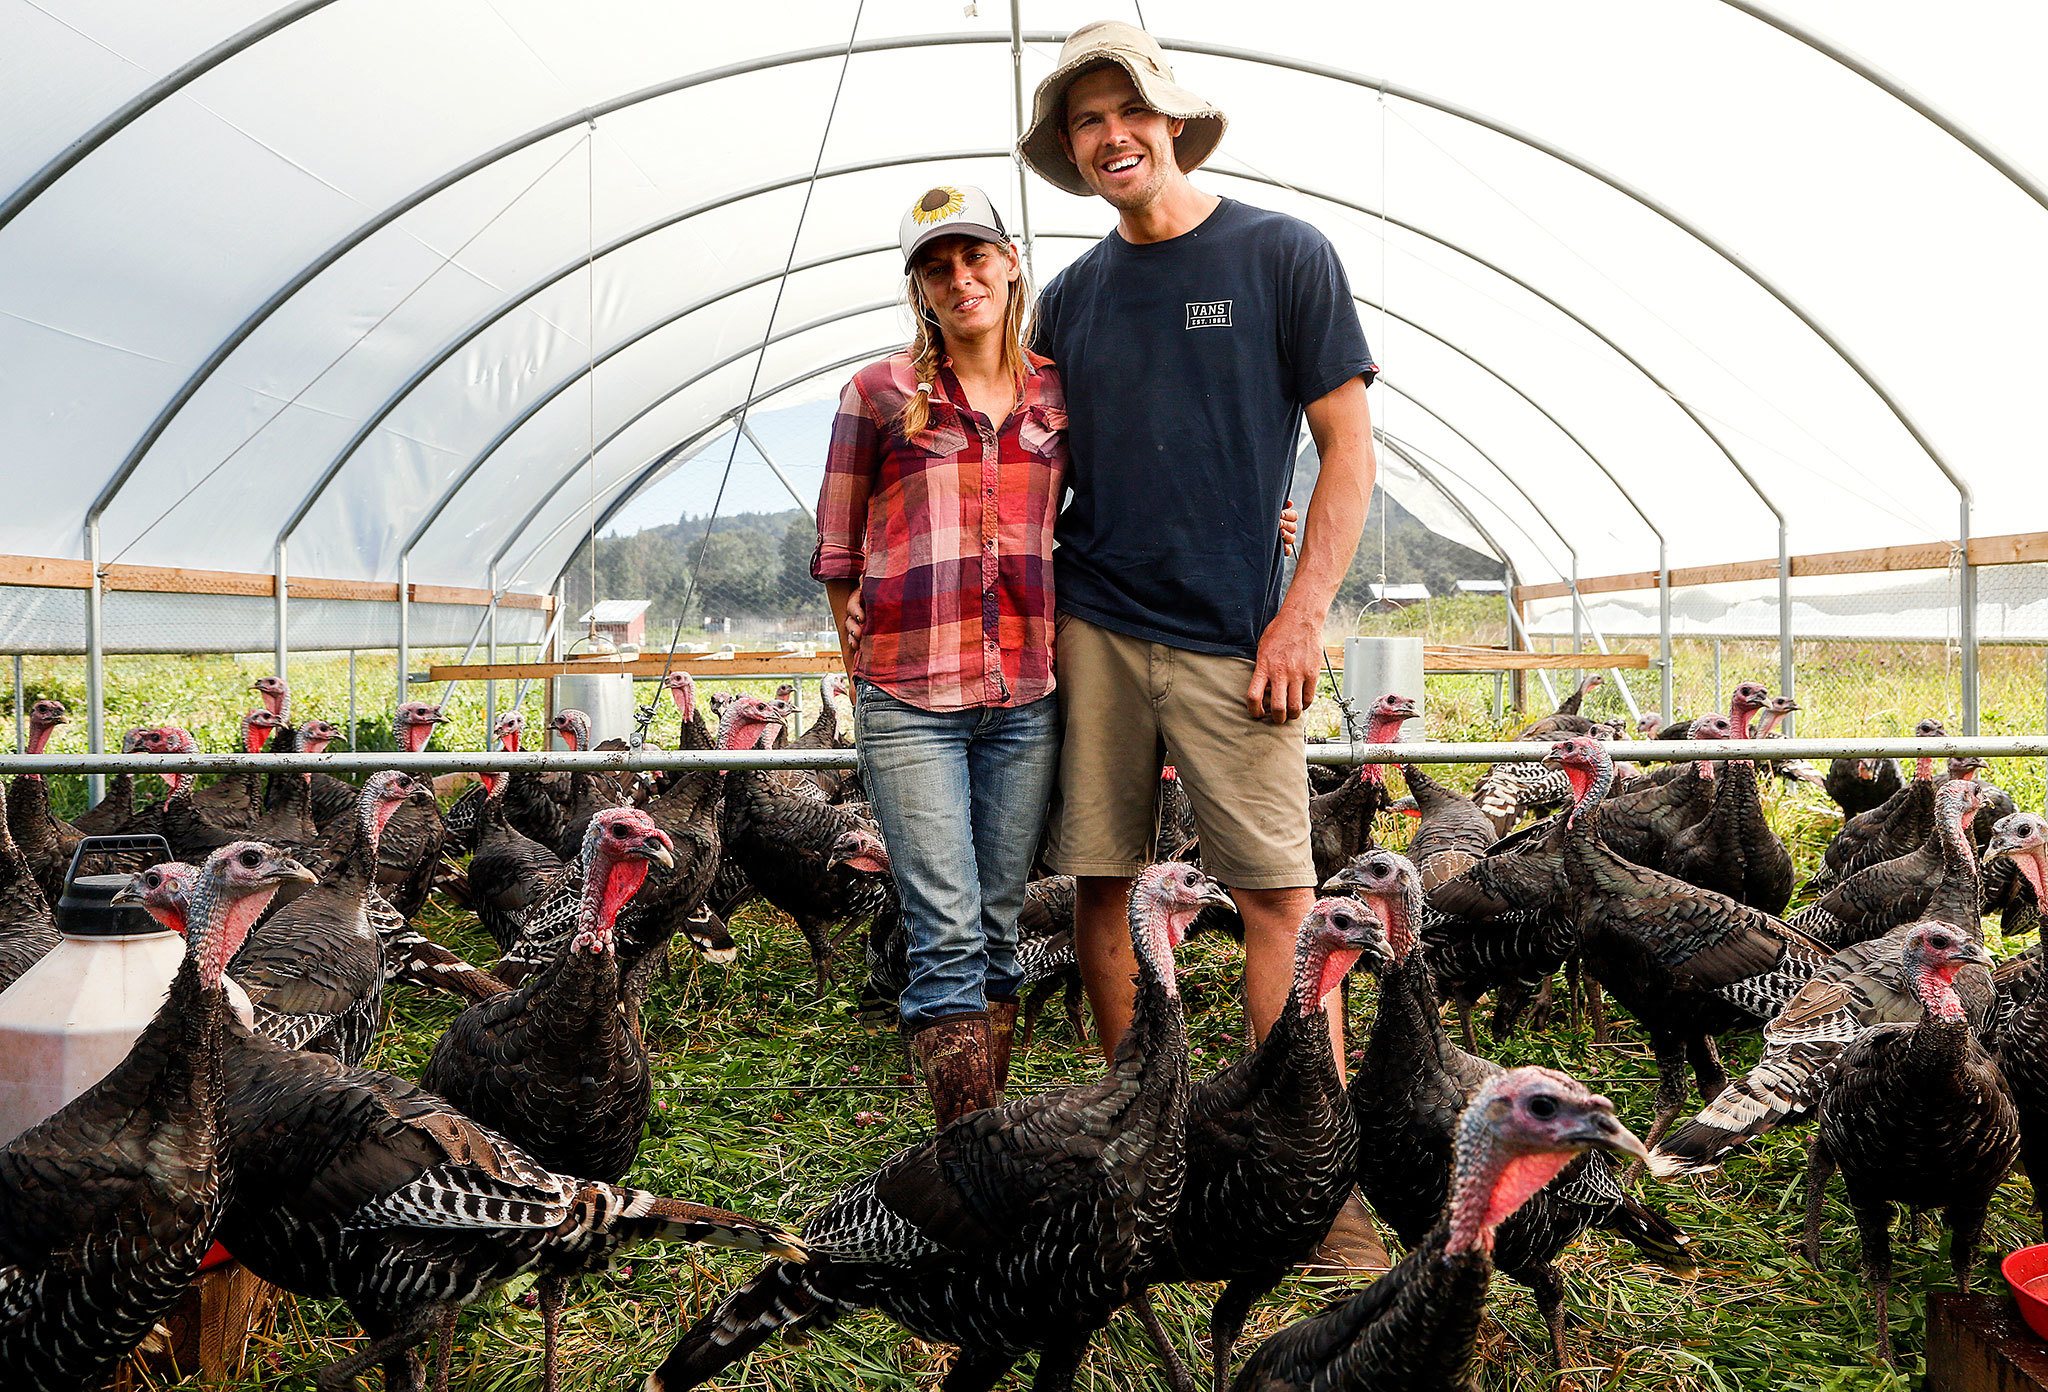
{"x": 1480, "y": 587}
{"x": 621, "y": 620}
{"x": 1398, "y": 595}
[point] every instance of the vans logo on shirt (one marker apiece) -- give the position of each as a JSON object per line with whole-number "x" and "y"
{"x": 1209, "y": 314}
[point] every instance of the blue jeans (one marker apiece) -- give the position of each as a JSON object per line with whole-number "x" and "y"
{"x": 961, "y": 798}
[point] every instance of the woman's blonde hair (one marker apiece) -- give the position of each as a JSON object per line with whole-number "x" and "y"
{"x": 928, "y": 344}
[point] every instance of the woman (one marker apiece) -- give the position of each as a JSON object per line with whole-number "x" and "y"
{"x": 934, "y": 542}
{"x": 935, "y": 527}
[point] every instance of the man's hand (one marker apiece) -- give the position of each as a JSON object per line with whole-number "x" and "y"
{"x": 1290, "y": 527}
{"x": 1284, "y": 674}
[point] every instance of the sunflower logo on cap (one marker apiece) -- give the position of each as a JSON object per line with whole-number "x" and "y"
{"x": 938, "y": 204}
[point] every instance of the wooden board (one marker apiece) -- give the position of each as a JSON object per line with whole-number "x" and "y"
{"x": 57, "y": 573}
{"x": 2014, "y": 548}
{"x": 650, "y": 665}
{"x": 1979, "y": 1343}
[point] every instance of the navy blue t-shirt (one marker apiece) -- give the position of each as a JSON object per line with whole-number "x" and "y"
{"x": 1186, "y": 365}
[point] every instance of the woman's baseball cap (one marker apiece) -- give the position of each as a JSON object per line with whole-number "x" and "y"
{"x": 949, "y": 210}
{"x": 1137, "y": 53}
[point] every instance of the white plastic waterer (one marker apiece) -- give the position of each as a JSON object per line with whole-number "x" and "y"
{"x": 71, "y": 1017}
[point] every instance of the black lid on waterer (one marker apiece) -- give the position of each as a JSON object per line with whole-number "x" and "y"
{"x": 87, "y": 908}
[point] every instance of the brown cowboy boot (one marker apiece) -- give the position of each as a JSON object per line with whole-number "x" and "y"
{"x": 1002, "y": 1033}
{"x": 1351, "y": 1248}
{"x": 953, "y": 1056}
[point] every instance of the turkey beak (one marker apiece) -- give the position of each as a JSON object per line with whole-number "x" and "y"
{"x": 656, "y": 851}
{"x": 2002, "y": 844}
{"x": 1214, "y": 893}
{"x": 1602, "y": 1130}
{"x": 285, "y": 868}
{"x": 1972, "y": 953}
{"x": 1345, "y": 883}
{"x": 1553, "y": 760}
{"x": 129, "y": 895}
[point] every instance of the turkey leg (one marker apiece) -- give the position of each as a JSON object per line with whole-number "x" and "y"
{"x": 1177, "y": 1375}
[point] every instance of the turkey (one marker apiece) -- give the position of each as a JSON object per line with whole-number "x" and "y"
{"x": 464, "y": 816}
{"x": 1020, "y": 1227}
{"x": 2012, "y": 883}
{"x": 43, "y": 837}
{"x": 509, "y": 869}
{"x": 1892, "y": 828}
{"x": 116, "y": 814}
{"x": 1640, "y": 823}
{"x": 1566, "y": 719}
{"x": 1413, "y": 1329}
{"x": 410, "y": 848}
{"x": 1880, "y": 897}
{"x": 333, "y": 798}
{"x": 357, "y": 1185}
{"x": 557, "y": 1066}
{"x": 1272, "y": 1151}
{"x": 1407, "y": 1092}
{"x": 1791, "y": 771}
{"x": 1743, "y": 703}
{"x": 1177, "y": 835}
{"x": 1687, "y": 963}
{"x": 26, "y": 929}
{"x": 1862, "y": 987}
{"x": 1918, "y": 1115}
{"x": 1452, "y": 834}
{"x": 314, "y": 969}
{"x": 824, "y": 733}
{"x": 582, "y": 794}
{"x": 1732, "y": 850}
{"x": 2022, "y": 840}
{"x": 1507, "y": 792}
{"x": 686, "y": 809}
{"x": 107, "y": 1207}
{"x": 818, "y": 862}
{"x": 1340, "y": 823}
{"x": 1857, "y": 785}
{"x": 232, "y": 802}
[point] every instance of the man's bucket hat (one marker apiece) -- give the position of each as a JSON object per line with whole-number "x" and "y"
{"x": 1138, "y": 54}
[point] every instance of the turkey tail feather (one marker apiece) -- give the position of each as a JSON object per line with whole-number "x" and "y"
{"x": 641, "y": 1214}
{"x": 1744, "y": 1110}
{"x": 1654, "y": 1235}
{"x": 775, "y": 1300}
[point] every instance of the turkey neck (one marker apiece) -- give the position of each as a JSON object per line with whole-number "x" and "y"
{"x": 1957, "y": 896}
{"x": 1153, "y": 1056}
{"x": 1936, "y": 1049}
{"x": 1407, "y": 1031}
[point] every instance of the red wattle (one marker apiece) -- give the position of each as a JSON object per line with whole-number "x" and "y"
{"x": 624, "y": 881}
{"x": 1331, "y": 976}
{"x": 1518, "y": 1180}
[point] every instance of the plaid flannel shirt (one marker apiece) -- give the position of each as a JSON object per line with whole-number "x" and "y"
{"x": 950, "y": 536}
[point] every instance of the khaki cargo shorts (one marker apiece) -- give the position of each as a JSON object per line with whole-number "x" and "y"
{"x": 1122, "y": 699}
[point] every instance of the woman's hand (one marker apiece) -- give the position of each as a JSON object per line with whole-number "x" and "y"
{"x": 856, "y": 618}
{"x": 1290, "y": 527}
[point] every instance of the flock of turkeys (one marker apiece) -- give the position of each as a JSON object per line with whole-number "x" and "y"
{"x": 1920, "y": 1064}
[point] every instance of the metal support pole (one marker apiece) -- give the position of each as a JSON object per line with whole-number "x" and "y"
{"x": 1785, "y": 683}
{"x": 279, "y": 618}
{"x": 1966, "y": 627}
{"x": 1719, "y": 702}
{"x": 95, "y": 658}
{"x": 1664, "y": 630}
{"x": 404, "y": 623}
{"x": 20, "y": 707}
{"x": 1017, "y": 127}
{"x": 351, "y": 696}
{"x": 1514, "y": 642}
{"x": 747, "y": 430}
{"x": 491, "y": 656}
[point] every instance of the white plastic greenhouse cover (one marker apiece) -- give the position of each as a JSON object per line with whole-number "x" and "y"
{"x": 340, "y": 272}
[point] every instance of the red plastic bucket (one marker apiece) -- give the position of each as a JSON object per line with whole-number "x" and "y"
{"x": 2026, "y": 1271}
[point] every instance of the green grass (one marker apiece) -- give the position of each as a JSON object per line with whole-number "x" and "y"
{"x": 770, "y": 1098}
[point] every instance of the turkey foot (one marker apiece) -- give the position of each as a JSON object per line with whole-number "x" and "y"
{"x": 1177, "y": 1375}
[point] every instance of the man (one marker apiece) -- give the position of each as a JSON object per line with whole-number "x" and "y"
{"x": 1192, "y": 340}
